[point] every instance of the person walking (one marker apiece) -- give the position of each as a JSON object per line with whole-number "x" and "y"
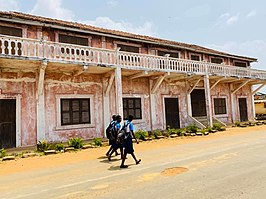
{"x": 115, "y": 144}
{"x": 111, "y": 135}
{"x": 128, "y": 144}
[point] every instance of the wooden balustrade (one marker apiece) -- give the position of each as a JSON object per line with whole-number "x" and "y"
{"x": 31, "y": 48}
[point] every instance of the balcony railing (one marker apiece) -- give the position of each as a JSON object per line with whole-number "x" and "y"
{"x": 58, "y": 52}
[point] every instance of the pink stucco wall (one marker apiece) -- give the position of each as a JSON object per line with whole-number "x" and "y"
{"x": 53, "y": 90}
{"x": 27, "y": 93}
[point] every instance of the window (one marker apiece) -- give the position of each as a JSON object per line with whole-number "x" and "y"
{"x": 172, "y": 54}
{"x": 127, "y": 48}
{"x": 216, "y": 60}
{"x": 219, "y": 106}
{"x": 73, "y": 40}
{"x": 132, "y": 106}
{"x": 11, "y": 31}
{"x": 241, "y": 64}
{"x": 75, "y": 111}
{"x": 195, "y": 57}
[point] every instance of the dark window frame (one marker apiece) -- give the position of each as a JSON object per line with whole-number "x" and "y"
{"x": 70, "y": 111}
{"x": 240, "y": 64}
{"x": 126, "y": 108}
{"x": 76, "y": 40}
{"x": 194, "y": 55}
{"x": 172, "y": 54}
{"x": 216, "y": 58}
{"x": 10, "y": 31}
{"x": 220, "y": 106}
{"x": 128, "y": 48}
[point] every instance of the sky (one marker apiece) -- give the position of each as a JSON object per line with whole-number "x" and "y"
{"x": 233, "y": 26}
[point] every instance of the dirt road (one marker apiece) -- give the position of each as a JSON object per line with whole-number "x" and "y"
{"x": 215, "y": 166}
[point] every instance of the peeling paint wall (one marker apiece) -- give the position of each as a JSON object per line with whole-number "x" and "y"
{"x": 222, "y": 91}
{"x": 27, "y": 91}
{"x": 53, "y": 89}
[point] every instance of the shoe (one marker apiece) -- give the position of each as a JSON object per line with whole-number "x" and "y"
{"x": 123, "y": 166}
{"x": 109, "y": 158}
{"x": 138, "y": 161}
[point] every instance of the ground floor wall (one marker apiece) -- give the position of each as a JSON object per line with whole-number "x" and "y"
{"x": 24, "y": 92}
{"x": 58, "y": 87}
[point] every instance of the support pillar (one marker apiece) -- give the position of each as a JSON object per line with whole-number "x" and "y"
{"x": 152, "y": 107}
{"x": 41, "y": 103}
{"x": 208, "y": 99}
{"x": 119, "y": 93}
{"x": 253, "y": 111}
{"x": 107, "y": 83}
{"x": 233, "y": 106}
{"x": 189, "y": 107}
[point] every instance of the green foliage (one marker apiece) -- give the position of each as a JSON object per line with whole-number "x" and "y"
{"x": 203, "y": 130}
{"x": 208, "y": 129}
{"x": 59, "y": 147}
{"x": 173, "y": 131}
{"x": 43, "y": 146}
{"x": 141, "y": 134}
{"x": 217, "y": 127}
{"x": 237, "y": 123}
{"x": 179, "y": 132}
{"x": 97, "y": 141}
{"x": 77, "y": 143}
{"x": 192, "y": 128}
{"x": 157, "y": 133}
{"x": 165, "y": 133}
{"x": 2, "y": 153}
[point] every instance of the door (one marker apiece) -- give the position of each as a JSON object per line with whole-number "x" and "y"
{"x": 172, "y": 112}
{"x": 7, "y": 123}
{"x": 243, "y": 109}
{"x": 198, "y": 103}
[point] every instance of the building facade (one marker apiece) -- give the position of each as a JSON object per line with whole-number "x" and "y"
{"x": 61, "y": 79}
{"x": 260, "y": 105}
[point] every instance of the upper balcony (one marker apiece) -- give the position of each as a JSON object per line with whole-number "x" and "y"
{"x": 24, "y": 48}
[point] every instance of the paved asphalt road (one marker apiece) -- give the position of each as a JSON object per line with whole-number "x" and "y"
{"x": 224, "y": 167}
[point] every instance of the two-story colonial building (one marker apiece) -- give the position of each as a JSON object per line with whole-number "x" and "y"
{"x": 62, "y": 79}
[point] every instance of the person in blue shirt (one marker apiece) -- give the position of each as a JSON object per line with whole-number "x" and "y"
{"x": 112, "y": 140}
{"x": 115, "y": 144}
{"x": 128, "y": 144}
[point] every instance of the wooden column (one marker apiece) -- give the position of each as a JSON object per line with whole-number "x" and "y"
{"x": 253, "y": 104}
{"x": 233, "y": 106}
{"x": 208, "y": 99}
{"x": 107, "y": 83}
{"x": 189, "y": 107}
{"x": 119, "y": 91}
{"x": 152, "y": 106}
{"x": 41, "y": 102}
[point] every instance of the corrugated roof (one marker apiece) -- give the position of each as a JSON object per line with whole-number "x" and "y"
{"x": 45, "y": 20}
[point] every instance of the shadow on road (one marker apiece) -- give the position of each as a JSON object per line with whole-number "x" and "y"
{"x": 115, "y": 168}
{"x": 107, "y": 161}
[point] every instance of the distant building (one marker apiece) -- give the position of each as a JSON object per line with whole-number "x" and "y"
{"x": 61, "y": 79}
{"x": 260, "y": 105}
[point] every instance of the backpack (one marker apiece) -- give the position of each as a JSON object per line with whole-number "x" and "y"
{"x": 110, "y": 131}
{"x": 123, "y": 133}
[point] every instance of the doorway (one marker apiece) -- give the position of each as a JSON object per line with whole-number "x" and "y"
{"x": 7, "y": 123}
{"x": 243, "y": 109}
{"x": 198, "y": 103}
{"x": 172, "y": 112}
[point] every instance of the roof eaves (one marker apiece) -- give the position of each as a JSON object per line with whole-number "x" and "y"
{"x": 43, "y": 21}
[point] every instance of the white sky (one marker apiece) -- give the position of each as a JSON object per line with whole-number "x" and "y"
{"x": 234, "y": 26}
